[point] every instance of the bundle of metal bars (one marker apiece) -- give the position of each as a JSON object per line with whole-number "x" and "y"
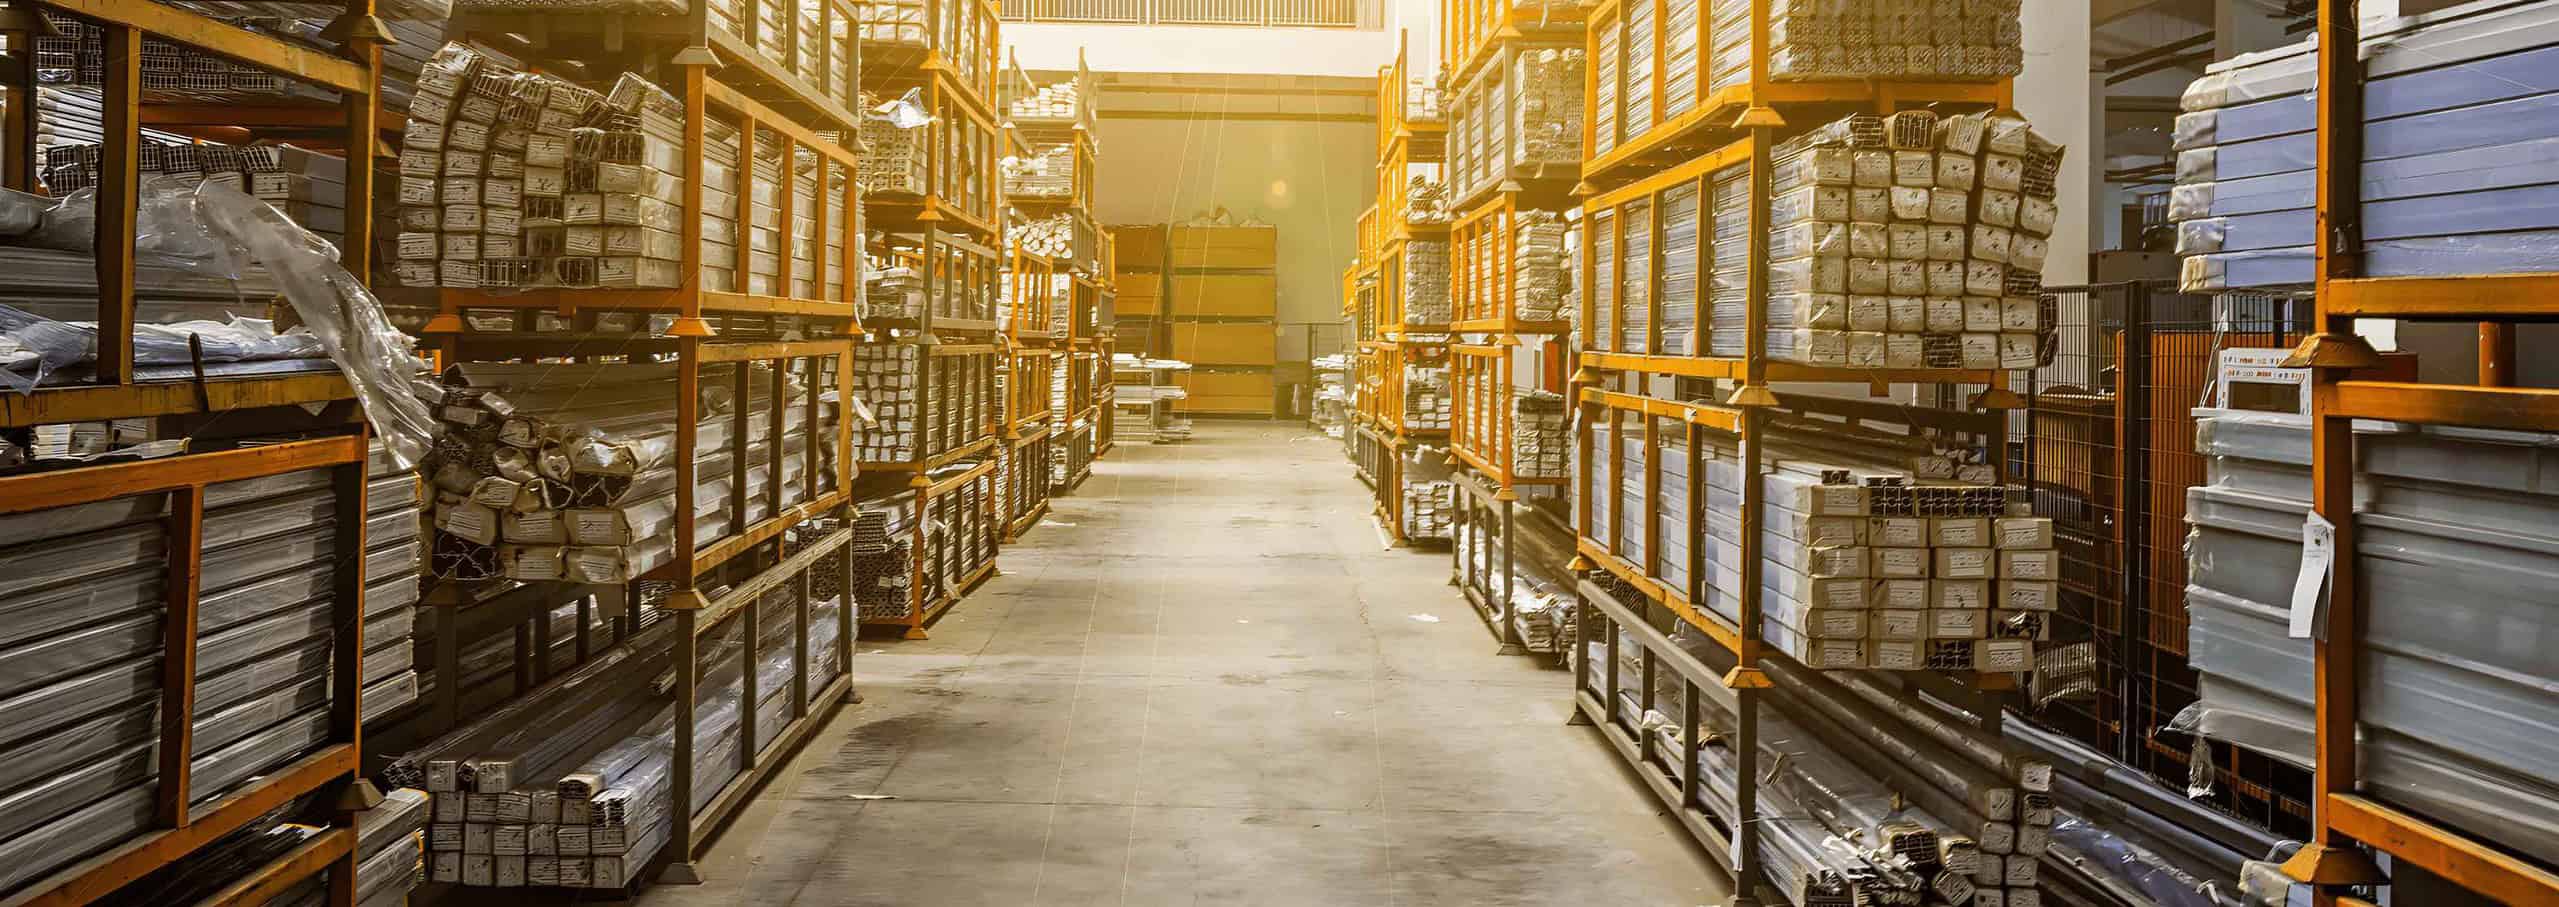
{"x": 1426, "y": 296}
{"x": 1541, "y": 442}
{"x": 553, "y": 471}
{"x": 572, "y": 786}
{"x": 884, "y": 557}
{"x": 1873, "y": 795}
{"x": 1541, "y": 271}
{"x": 80, "y": 659}
{"x": 1907, "y": 241}
{"x": 2458, "y": 132}
{"x": 75, "y": 54}
{"x": 1426, "y": 398}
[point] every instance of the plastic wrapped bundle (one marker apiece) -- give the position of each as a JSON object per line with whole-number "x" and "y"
{"x": 1549, "y": 96}
{"x": 1429, "y": 509}
{"x": 1817, "y": 40}
{"x": 1541, "y": 272}
{"x": 2457, "y": 143}
{"x": 2455, "y": 535}
{"x": 1426, "y": 398}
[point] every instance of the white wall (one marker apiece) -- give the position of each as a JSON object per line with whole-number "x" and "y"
{"x": 1231, "y": 49}
{"x": 2059, "y": 95}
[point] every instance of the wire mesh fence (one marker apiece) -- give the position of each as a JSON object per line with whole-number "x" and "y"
{"x": 2106, "y": 449}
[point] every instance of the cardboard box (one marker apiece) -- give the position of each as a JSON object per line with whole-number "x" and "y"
{"x": 1202, "y": 383}
{"x": 1137, "y": 245}
{"x": 1899, "y": 594}
{"x": 2030, "y": 565}
{"x": 2031, "y": 533}
{"x": 1898, "y": 532}
{"x": 1959, "y": 593}
{"x": 1900, "y": 563}
{"x": 1221, "y": 247}
{"x": 1959, "y": 532}
{"x": 1225, "y": 295}
{"x": 1210, "y": 343}
{"x": 1964, "y": 563}
{"x": 1900, "y": 625}
{"x": 1896, "y": 654}
{"x": 1958, "y": 623}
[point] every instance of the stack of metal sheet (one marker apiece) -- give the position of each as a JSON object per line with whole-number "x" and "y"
{"x": 80, "y": 663}
{"x": 2458, "y": 136}
{"x": 2455, "y": 529}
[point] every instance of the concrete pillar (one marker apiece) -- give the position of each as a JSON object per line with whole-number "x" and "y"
{"x": 2248, "y": 26}
{"x": 2065, "y": 99}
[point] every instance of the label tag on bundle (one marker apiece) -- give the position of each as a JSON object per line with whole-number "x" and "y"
{"x": 2309, "y": 588}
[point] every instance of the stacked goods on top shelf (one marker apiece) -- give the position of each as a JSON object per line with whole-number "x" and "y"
{"x": 1898, "y": 242}
{"x": 81, "y": 662}
{"x": 177, "y": 74}
{"x": 2455, "y": 155}
{"x": 1816, "y": 40}
{"x": 307, "y": 186}
{"x": 567, "y": 472}
{"x": 2452, "y": 720}
{"x": 1518, "y": 121}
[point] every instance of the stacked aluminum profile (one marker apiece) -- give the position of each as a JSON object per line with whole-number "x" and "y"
{"x": 305, "y": 186}
{"x": 573, "y": 787}
{"x": 1426, "y": 296}
{"x": 1549, "y": 86}
{"x": 567, "y": 472}
{"x": 1871, "y": 795}
{"x": 1906, "y": 241}
{"x": 889, "y": 378}
{"x": 1047, "y": 172}
{"x": 1541, "y": 272}
{"x": 1426, "y": 398}
{"x": 2457, "y": 135}
{"x": 518, "y": 179}
{"x": 1430, "y": 508}
{"x": 884, "y": 557}
{"x": 1816, "y": 40}
{"x": 1896, "y": 571}
{"x": 1541, "y": 436}
{"x": 80, "y": 659}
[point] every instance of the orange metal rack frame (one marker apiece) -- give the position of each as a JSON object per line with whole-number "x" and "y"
{"x": 2342, "y": 816}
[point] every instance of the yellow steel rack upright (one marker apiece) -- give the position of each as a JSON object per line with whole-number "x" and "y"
{"x": 1492, "y": 178}
{"x": 2341, "y": 815}
{"x": 787, "y": 85}
{"x": 182, "y": 820}
{"x": 943, "y": 214}
{"x": 1406, "y": 138}
{"x": 1640, "y": 157}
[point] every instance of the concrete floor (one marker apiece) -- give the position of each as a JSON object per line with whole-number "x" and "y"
{"x": 1202, "y": 681}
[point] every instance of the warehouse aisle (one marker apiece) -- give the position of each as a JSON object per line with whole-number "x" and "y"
{"x": 1218, "y": 690}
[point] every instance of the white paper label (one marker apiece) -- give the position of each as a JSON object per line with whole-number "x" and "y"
{"x": 2310, "y": 586}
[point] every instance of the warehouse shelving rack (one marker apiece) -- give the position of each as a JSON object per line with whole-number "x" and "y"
{"x": 354, "y": 72}
{"x": 2342, "y": 816}
{"x": 764, "y": 95}
{"x": 1026, "y": 489}
{"x": 1682, "y": 152}
{"x": 182, "y": 821}
{"x": 954, "y": 72}
{"x": 1716, "y": 116}
{"x": 1076, "y": 132}
{"x": 181, "y": 824}
{"x": 929, "y": 597}
{"x": 1486, "y": 121}
{"x": 1033, "y": 280}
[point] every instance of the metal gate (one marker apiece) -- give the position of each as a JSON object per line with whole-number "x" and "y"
{"x": 2106, "y": 448}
